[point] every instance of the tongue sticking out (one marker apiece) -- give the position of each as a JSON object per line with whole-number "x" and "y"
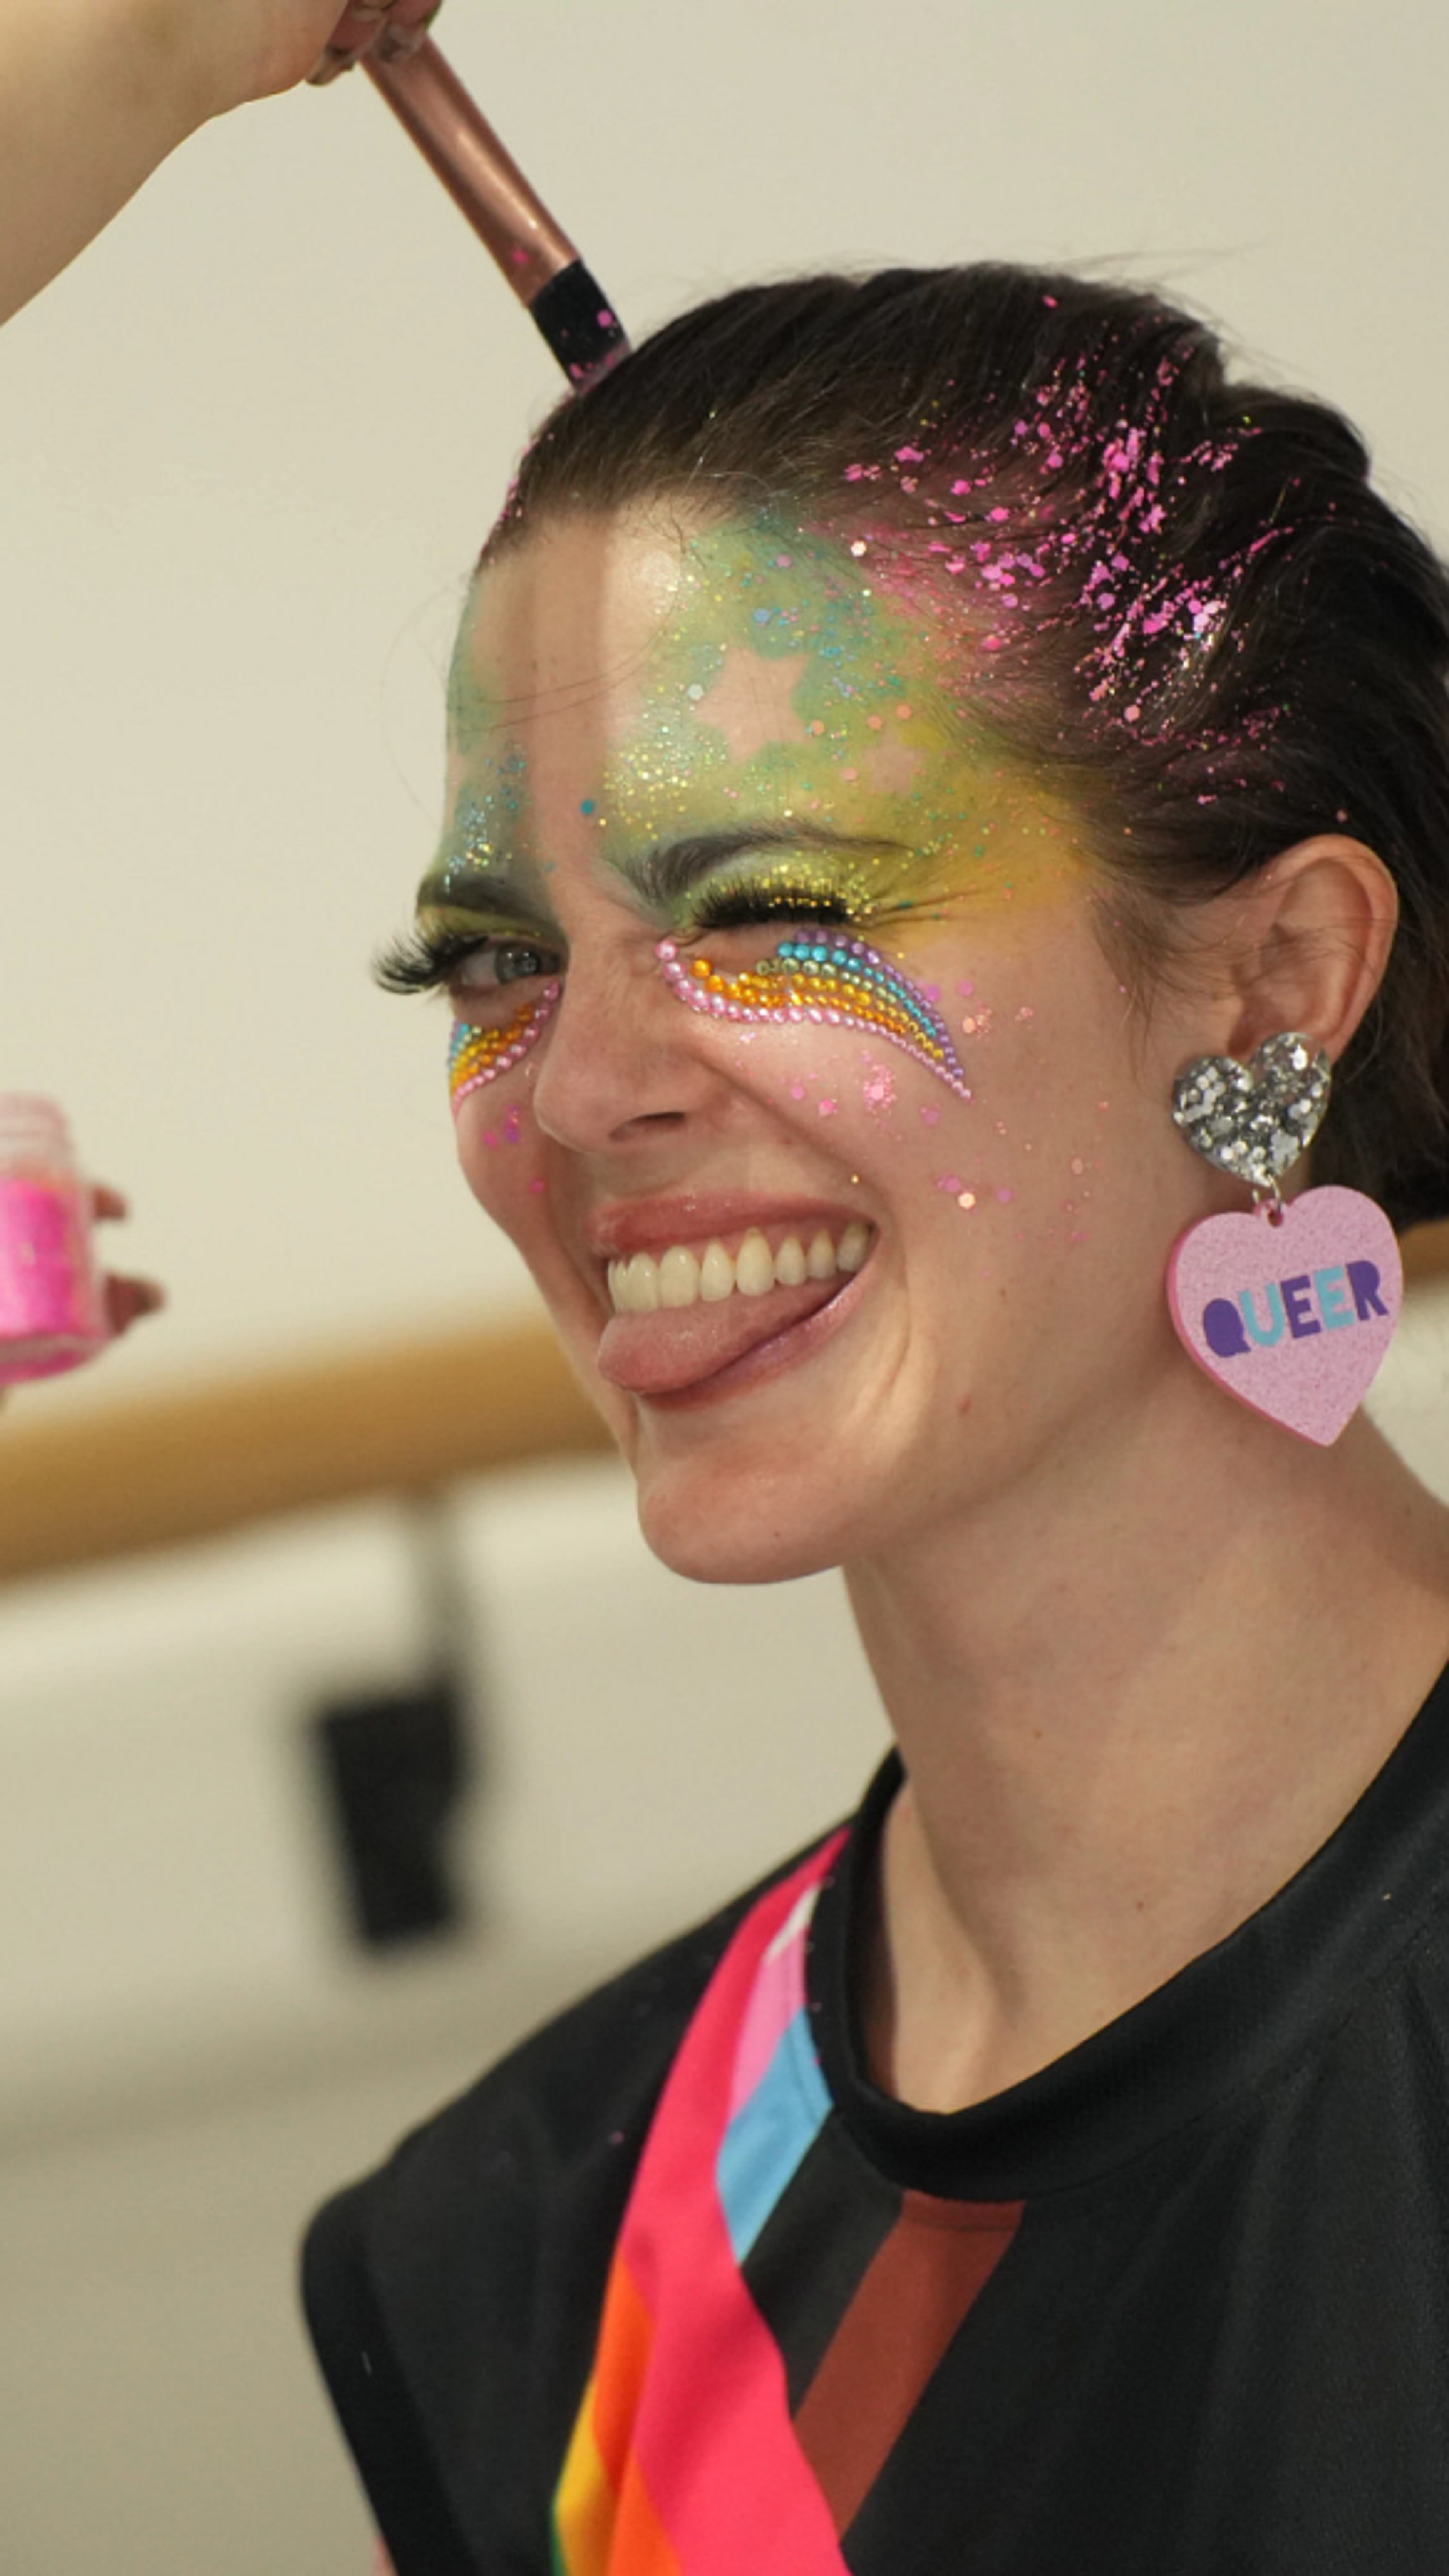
{"x": 675, "y": 1347}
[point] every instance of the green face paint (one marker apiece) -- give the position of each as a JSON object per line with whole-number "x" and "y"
{"x": 745, "y": 733}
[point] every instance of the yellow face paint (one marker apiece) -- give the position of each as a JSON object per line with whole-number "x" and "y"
{"x": 781, "y": 684}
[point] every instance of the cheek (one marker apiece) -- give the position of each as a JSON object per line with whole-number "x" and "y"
{"x": 500, "y": 1154}
{"x": 483, "y": 1053}
{"x": 489, "y": 1082}
{"x": 826, "y": 982}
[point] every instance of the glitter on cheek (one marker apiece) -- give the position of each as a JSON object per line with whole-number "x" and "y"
{"x": 831, "y": 980}
{"x": 477, "y": 1055}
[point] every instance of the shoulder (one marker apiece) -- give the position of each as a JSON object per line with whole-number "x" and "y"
{"x": 453, "y": 2295}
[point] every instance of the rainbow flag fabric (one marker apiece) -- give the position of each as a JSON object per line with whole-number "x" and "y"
{"x": 774, "y": 2308}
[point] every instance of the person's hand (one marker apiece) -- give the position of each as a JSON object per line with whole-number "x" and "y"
{"x": 392, "y": 29}
{"x": 128, "y": 1296}
{"x": 94, "y": 93}
{"x": 257, "y": 47}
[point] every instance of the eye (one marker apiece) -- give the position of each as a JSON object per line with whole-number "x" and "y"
{"x": 749, "y": 903}
{"x": 470, "y": 966}
{"x": 490, "y": 963}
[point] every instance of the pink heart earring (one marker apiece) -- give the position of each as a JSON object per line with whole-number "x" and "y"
{"x": 1292, "y": 1308}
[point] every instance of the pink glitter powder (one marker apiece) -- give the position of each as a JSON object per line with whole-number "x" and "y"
{"x": 52, "y": 1306}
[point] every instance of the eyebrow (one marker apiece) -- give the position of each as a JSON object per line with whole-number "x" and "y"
{"x": 658, "y": 875}
{"x": 461, "y": 884}
{"x": 661, "y": 874}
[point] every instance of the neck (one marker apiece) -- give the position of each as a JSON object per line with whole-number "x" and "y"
{"x": 1132, "y": 1697}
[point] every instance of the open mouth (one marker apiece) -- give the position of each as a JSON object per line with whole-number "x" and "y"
{"x": 694, "y": 1310}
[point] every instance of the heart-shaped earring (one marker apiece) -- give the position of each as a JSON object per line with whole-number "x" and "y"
{"x": 1255, "y": 1119}
{"x": 1292, "y": 1308}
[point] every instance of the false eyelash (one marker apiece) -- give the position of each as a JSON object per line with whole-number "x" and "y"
{"x": 731, "y": 907}
{"x": 419, "y": 960}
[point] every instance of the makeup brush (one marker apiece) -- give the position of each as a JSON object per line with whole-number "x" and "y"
{"x": 515, "y": 227}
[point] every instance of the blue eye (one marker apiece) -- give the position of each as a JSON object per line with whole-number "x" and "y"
{"x": 472, "y": 964}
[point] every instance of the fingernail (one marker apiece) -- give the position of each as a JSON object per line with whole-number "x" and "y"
{"x": 331, "y": 62}
{"x": 399, "y": 44}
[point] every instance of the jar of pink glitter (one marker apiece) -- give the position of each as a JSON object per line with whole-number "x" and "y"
{"x": 52, "y": 1304}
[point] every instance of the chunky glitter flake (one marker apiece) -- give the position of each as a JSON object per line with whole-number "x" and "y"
{"x": 479, "y": 1055}
{"x": 831, "y": 980}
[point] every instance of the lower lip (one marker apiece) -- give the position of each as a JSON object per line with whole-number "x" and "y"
{"x": 768, "y": 1360}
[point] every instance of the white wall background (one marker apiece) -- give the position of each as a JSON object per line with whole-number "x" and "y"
{"x": 253, "y": 438}
{"x": 250, "y": 444}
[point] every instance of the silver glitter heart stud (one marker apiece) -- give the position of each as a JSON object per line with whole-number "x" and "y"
{"x": 1253, "y": 1120}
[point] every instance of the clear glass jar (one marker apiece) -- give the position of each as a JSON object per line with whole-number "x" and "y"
{"x": 52, "y": 1302}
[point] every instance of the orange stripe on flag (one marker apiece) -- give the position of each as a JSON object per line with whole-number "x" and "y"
{"x": 620, "y": 2363}
{"x": 604, "y": 2519}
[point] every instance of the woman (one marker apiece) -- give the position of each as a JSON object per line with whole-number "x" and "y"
{"x": 897, "y": 727}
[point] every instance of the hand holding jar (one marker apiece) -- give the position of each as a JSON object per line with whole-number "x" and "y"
{"x": 57, "y": 1307}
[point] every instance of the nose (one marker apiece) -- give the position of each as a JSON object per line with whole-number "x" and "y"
{"x": 621, "y": 1063}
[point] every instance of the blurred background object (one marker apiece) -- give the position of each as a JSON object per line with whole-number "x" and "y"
{"x": 252, "y": 442}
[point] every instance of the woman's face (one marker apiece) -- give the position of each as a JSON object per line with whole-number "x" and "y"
{"x": 780, "y": 1006}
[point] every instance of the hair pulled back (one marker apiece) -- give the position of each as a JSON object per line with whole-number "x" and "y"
{"x": 1180, "y": 592}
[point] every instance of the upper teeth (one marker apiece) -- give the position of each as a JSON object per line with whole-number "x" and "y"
{"x": 680, "y": 1277}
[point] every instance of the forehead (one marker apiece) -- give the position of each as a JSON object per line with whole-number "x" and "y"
{"x": 622, "y": 680}
{"x": 606, "y": 612}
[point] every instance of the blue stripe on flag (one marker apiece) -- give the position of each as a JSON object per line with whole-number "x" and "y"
{"x": 770, "y": 2134}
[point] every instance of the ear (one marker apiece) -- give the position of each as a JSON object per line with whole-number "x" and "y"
{"x": 1310, "y": 939}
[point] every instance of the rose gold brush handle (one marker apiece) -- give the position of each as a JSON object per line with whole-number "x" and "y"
{"x": 535, "y": 254}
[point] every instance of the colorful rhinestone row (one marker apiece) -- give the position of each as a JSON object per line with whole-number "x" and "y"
{"x": 479, "y": 1055}
{"x": 831, "y": 979}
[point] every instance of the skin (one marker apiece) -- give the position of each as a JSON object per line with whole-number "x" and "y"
{"x": 95, "y": 93}
{"x": 1141, "y": 1649}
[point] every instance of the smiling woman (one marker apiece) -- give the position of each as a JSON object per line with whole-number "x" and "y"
{"x": 926, "y": 753}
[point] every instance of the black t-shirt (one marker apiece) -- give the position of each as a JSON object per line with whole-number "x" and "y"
{"x": 675, "y": 2291}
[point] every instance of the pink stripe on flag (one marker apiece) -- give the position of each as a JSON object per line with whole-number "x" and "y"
{"x": 713, "y": 2435}
{"x": 775, "y": 1998}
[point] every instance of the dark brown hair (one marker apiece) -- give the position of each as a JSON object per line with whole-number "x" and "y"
{"x": 1182, "y": 591}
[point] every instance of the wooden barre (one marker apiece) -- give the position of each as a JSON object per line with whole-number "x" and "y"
{"x": 1426, "y": 1254}
{"x": 157, "y": 1471}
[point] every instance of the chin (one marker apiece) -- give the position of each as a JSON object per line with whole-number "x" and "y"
{"x": 742, "y": 1525}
